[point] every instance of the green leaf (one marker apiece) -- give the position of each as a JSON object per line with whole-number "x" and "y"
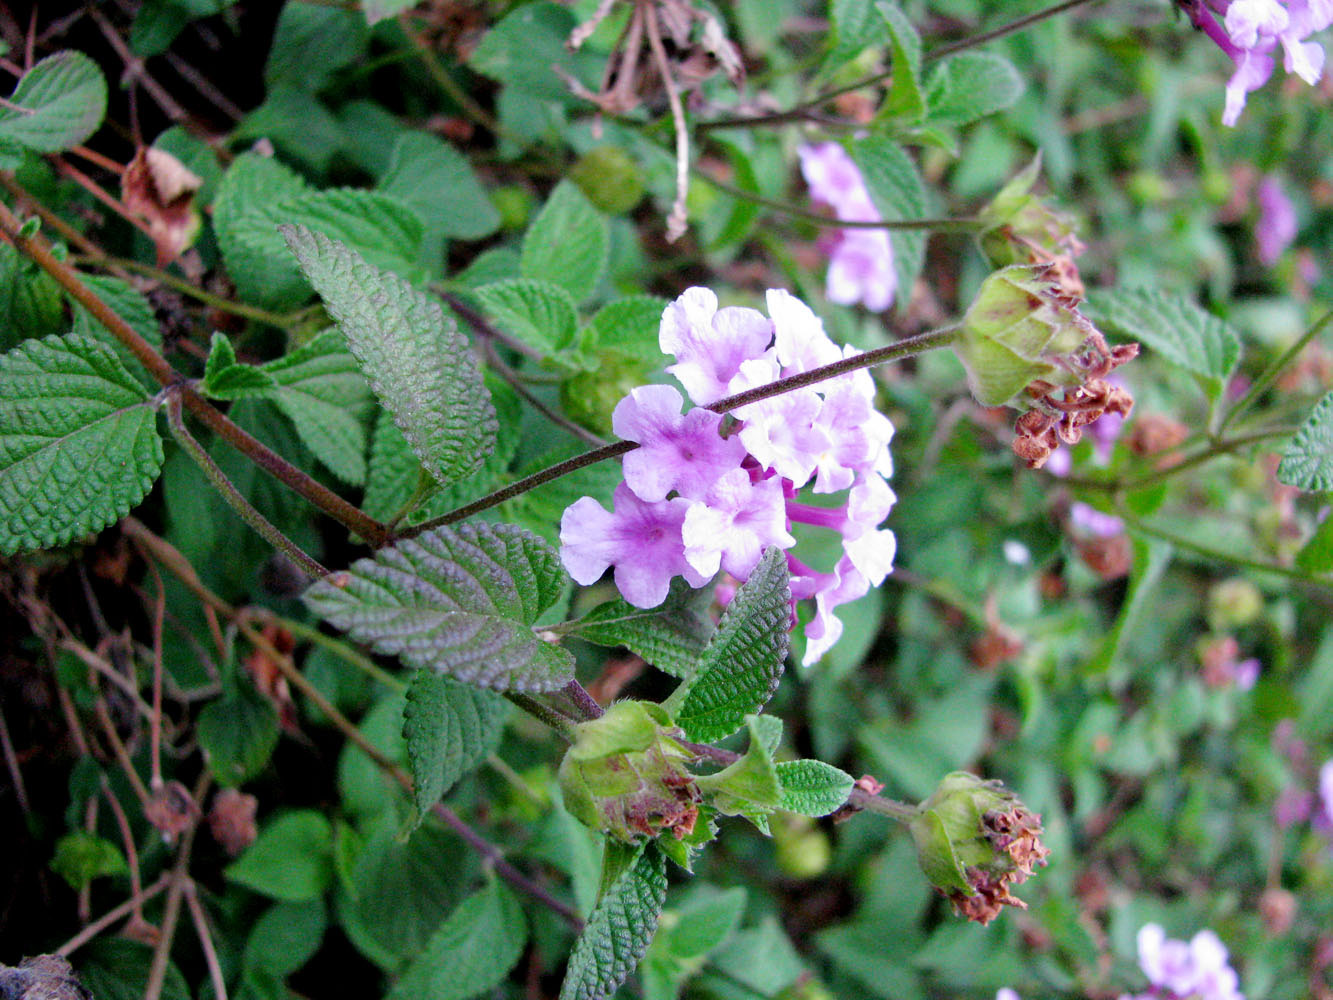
{"x": 437, "y": 182}
{"x": 57, "y": 104}
{"x": 460, "y": 601}
{"x": 627, "y": 327}
{"x": 619, "y": 929}
{"x": 567, "y": 242}
{"x": 527, "y": 51}
{"x": 904, "y": 99}
{"x": 226, "y": 378}
{"x": 394, "y": 473}
{"x": 739, "y": 670}
{"x": 813, "y": 788}
{"x": 285, "y": 937}
{"x": 855, "y": 28}
{"x": 1307, "y": 463}
{"x": 416, "y": 361}
{"x": 238, "y": 733}
{"x": 450, "y": 728}
{"x": 750, "y": 786}
{"x": 898, "y": 192}
{"x": 78, "y": 442}
{"x": 671, "y": 637}
{"x": 971, "y": 85}
{"x": 1171, "y": 325}
{"x": 537, "y": 312}
{"x": 292, "y": 860}
{"x": 129, "y": 304}
{"x": 472, "y": 951}
{"x": 113, "y": 968}
{"x": 311, "y": 43}
{"x": 1316, "y": 555}
{"x": 82, "y": 856}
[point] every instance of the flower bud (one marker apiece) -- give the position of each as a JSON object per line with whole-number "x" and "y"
{"x": 1234, "y": 603}
{"x": 610, "y": 179}
{"x": 803, "y": 850}
{"x": 626, "y": 775}
{"x": 974, "y": 839}
{"x": 1021, "y": 228}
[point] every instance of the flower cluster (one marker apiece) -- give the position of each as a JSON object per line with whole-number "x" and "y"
{"x": 860, "y": 260}
{"x": 704, "y": 493}
{"x": 1250, "y": 32}
{"x": 1177, "y": 969}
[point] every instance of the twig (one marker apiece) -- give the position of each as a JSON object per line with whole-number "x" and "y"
{"x": 678, "y": 218}
{"x": 200, "y": 921}
{"x": 1273, "y": 371}
{"x": 457, "y": 93}
{"x": 235, "y": 499}
{"x": 68, "y": 169}
{"x": 132, "y": 905}
{"x": 906, "y": 348}
{"x": 157, "y": 970}
{"x": 135, "y": 70}
{"x": 498, "y": 365}
{"x": 12, "y": 763}
{"x": 118, "y": 748}
{"x": 35, "y": 248}
{"x": 1218, "y": 555}
{"x": 155, "y": 722}
{"x": 126, "y": 837}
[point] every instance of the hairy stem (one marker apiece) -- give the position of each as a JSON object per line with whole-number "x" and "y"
{"x": 931, "y": 225}
{"x": 36, "y": 249}
{"x": 1275, "y": 370}
{"x": 1217, "y": 555}
{"x": 906, "y": 348}
{"x": 218, "y": 479}
{"x": 1222, "y": 447}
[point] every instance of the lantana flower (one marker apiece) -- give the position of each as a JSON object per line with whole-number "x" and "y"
{"x": 704, "y": 493}
{"x": 1251, "y": 31}
{"x": 860, "y": 259}
{"x": 1198, "y": 968}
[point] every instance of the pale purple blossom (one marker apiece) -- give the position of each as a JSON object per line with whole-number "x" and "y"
{"x": 1276, "y": 227}
{"x": 860, "y": 259}
{"x": 1293, "y": 805}
{"x": 1198, "y": 969}
{"x": 697, "y": 501}
{"x": 641, "y": 540}
{"x": 1323, "y": 819}
{"x": 709, "y": 343}
{"x": 1251, "y": 31}
{"x": 1092, "y": 522}
{"x": 680, "y": 452}
{"x": 1005, "y": 993}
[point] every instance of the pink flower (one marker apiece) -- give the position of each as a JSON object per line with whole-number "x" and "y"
{"x": 1276, "y": 228}
{"x": 860, "y": 259}
{"x": 1197, "y": 969}
{"x": 681, "y": 452}
{"x": 709, "y": 344}
{"x": 736, "y": 522}
{"x": 1090, "y": 521}
{"x": 641, "y": 540}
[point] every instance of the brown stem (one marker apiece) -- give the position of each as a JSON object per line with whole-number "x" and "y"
{"x": 126, "y": 837}
{"x": 676, "y": 221}
{"x": 200, "y": 921}
{"x": 35, "y": 248}
{"x": 906, "y": 348}
{"x": 132, "y": 905}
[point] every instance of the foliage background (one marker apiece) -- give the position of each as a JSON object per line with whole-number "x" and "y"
{"x": 1157, "y": 788}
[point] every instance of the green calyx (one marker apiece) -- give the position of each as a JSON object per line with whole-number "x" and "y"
{"x": 951, "y": 831}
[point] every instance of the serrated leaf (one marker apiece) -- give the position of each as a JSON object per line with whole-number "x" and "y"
{"x": 670, "y": 637}
{"x": 537, "y": 312}
{"x": 438, "y": 183}
{"x": 459, "y": 601}
{"x": 226, "y": 378}
{"x": 57, "y": 104}
{"x": 813, "y": 788}
{"x": 1171, "y": 325}
{"x": 619, "y": 930}
{"x": 416, "y": 361}
{"x": 855, "y": 28}
{"x": 471, "y": 952}
{"x": 739, "y": 670}
{"x": 527, "y": 52}
{"x": 971, "y": 85}
{"x": 567, "y": 242}
{"x": 898, "y": 192}
{"x": 1307, "y": 463}
{"x": 627, "y": 327}
{"x": 78, "y": 441}
{"x": 395, "y": 471}
{"x": 450, "y": 728}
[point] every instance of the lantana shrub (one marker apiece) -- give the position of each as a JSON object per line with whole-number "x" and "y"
{"x": 667, "y": 499}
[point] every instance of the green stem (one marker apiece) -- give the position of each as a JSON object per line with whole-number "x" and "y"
{"x": 36, "y": 250}
{"x": 906, "y": 348}
{"x": 539, "y": 710}
{"x": 217, "y": 302}
{"x": 802, "y": 111}
{"x": 266, "y": 528}
{"x": 1208, "y": 454}
{"x": 1216, "y": 555}
{"x": 933, "y": 225}
{"x": 337, "y": 647}
{"x": 456, "y": 91}
{"x": 1274, "y": 371}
